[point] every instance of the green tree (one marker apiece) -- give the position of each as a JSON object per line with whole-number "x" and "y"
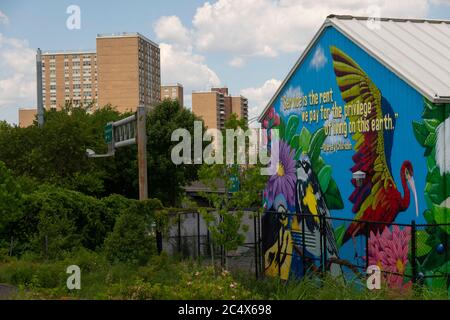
{"x": 225, "y": 222}
{"x": 56, "y": 153}
{"x": 131, "y": 240}
{"x": 165, "y": 179}
{"x": 10, "y": 209}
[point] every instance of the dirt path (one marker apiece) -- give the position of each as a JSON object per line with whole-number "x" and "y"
{"x": 7, "y": 291}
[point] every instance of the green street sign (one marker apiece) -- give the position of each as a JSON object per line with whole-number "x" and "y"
{"x": 108, "y": 133}
{"x": 235, "y": 184}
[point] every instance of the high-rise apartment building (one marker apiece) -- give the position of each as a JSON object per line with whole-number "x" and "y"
{"x": 173, "y": 92}
{"x": 123, "y": 72}
{"x": 239, "y": 106}
{"x": 68, "y": 76}
{"x": 128, "y": 71}
{"x": 216, "y": 106}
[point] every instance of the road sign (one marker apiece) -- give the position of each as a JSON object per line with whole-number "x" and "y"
{"x": 108, "y": 132}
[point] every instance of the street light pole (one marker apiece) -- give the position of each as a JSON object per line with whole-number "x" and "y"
{"x": 141, "y": 139}
{"x": 40, "y": 106}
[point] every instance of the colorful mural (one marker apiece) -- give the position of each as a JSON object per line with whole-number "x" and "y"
{"x": 431, "y": 133}
{"x": 341, "y": 112}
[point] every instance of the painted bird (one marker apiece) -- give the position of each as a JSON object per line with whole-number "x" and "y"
{"x": 377, "y": 198}
{"x": 310, "y": 203}
{"x": 277, "y": 240}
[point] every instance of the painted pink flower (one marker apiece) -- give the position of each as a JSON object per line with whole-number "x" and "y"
{"x": 276, "y": 121}
{"x": 271, "y": 113}
{"x": 389, "y": 251}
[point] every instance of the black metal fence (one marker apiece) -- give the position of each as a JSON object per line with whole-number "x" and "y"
{"x": 190, "y": 237}
{"x": 373, "y": 244}
{"x": 400, "y": 250}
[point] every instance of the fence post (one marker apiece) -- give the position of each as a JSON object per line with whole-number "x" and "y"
{"x": 261, "y": 261}
{"x": 198, "y": 234}
{"x": 366, "y": 228}
{"x": 179, "y": 232}
{"x": 279, "y": 251}
{"x": 323, "y": 245}
{"x": 256, "y": 245}
{"x": 303, "y": 245}
{"x": 413, "y": 252}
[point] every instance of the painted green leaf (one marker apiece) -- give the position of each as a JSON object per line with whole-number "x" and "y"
{"x": 441, "y": 216}
{"x": 339, "y": 234}
{"x": 435, "y": 192}
{"x": 291, "y": 127}
{"x": 430, "y": 141}
{"x": 294, "y": 142}
{"x": 318, "y": 164}
{"x": 431, "y": 124}
{"x": 431, "y": 163}
{"x": 298, "y": 153}
{"x": 324, "y": 177}
{"x": 315, "y": 146}
{"x": 429, "y": 105}
{"x": 420, "y": 132}
{"x": 305, "y": 139}
{"x": 281, "y": 127}
{"x": 434, "y": 260}
{"x": 433, "y": 111}
{"x": 428, "y": 215}
{"x": 422, "y": 247}
{"x": 434, "y": 176}
{"x": 333, "y": 197}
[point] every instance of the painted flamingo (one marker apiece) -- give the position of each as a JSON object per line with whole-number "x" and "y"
{"x": 377, "y": 198}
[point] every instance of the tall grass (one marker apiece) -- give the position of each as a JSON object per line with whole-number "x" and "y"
{"x": 170, "y": 278}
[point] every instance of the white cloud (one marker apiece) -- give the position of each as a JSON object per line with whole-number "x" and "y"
{"x": 17, "y": 75}
{"x": 237, "y": 62}
{"x": 267, "y": 28}
{"x": 170, "y": 29}
{"x": 319, "y": 59}
{"x": 4, "y": 18}
{"x": 183, "y": 66}
{"x": 260, "y": 96}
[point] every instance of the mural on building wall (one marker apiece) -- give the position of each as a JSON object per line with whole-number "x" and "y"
{"x": 338, "y": 114}
{"x": 431, "y": 133}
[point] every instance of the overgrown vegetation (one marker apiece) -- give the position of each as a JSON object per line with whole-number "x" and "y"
{"x": 167, "y": 278}
{"x": 241, "y": 189}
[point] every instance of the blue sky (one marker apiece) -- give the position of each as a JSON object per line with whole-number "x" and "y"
{"x": 247, "y": 45}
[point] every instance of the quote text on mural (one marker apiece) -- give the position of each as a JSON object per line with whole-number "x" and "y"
{"x": 339, "y": 121}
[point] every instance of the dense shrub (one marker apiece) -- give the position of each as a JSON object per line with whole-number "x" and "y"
{"x": 132, "y": 239}
{"x": 64, "y": 220}
{"x": 10, "y": 207}
{"x": 52, "y": 221}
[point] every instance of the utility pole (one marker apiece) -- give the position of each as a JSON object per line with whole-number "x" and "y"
{"x": 125, "y": 132}
{"x": 141, "y": 138}
{"x": 40, "y": 107}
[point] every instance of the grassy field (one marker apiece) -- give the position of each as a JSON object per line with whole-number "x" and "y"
{"x": 168, "y": 278}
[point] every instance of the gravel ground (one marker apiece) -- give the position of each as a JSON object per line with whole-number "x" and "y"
{"x": 7, "y": 291}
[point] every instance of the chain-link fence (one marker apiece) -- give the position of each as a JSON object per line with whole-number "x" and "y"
{"x": 189, "y": 237}
{"x": 404, "y": 253}
{"x": 292, "y": 245}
